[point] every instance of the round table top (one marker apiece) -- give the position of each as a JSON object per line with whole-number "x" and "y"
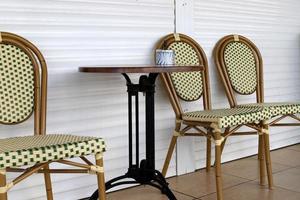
{"x": 141, "y": 68}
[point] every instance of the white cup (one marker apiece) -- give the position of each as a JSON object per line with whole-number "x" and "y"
{"x": 164, "y": 57}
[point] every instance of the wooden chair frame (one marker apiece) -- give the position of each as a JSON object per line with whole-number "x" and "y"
{"x": 230, "y": 92}
{"x": 174, "y": 99}
{"x": 209, "y": 130}
{"x": 40, "y": 104}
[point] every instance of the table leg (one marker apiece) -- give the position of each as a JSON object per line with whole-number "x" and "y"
{"x": 149, "y": 84}
{"x": 143, "y": 172}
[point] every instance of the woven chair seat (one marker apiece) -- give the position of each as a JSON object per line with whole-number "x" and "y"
{"x": 30, "y": 150}
{"x": 277, "y": 108}
{"x": 230, "y": 116}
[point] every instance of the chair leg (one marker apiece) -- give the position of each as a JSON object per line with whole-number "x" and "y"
{"x": 218, "y": 171}
{"x": 268, "y": 158}
{"x": 208, "y": 154}
{"x": 222, "y": 148}
{"x": 100, "y": 177}
{"x": 48, "y": 183}
{"x": 223, "y": 145}
{"x": 261, "y": 159}
{"x": 169, "y": 155}
{"x": 3, "y": 196}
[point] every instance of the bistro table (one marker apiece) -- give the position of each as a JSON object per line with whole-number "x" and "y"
{"x": 142, "y": 172}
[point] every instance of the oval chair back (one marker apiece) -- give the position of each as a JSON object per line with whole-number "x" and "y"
{"x": 240, "y": 67}
{"x": 23, "y": 88}
{"x": 188, "y": 86}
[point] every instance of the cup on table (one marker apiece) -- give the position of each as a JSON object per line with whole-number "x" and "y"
{"x": 164, "y": 57}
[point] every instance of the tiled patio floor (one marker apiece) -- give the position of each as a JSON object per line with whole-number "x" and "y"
{"x": 240, "y": 181}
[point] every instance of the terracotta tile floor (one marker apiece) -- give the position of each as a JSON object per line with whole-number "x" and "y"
{"x": 240, "y": 181}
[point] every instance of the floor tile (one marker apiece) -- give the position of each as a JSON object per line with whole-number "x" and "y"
{"x": 237, "y": 181}
{"x": 201, "y": 183}
{"x": 248, "y": 168}
{"x": 143, "y": 193}
{"x": 288, "y": 179}
{"x": 286, "y": 157}
{"x": 294, "y": 147}
{"x": 253, "y": 191}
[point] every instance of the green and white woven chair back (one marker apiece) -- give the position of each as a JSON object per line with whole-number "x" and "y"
{"x": 188, "y": 85}
{"x": 16, "y": 84}
{"x": 240, "y": 63}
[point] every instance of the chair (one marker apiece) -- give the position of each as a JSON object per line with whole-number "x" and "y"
{"x": 217, "y": 124}
{"x": 240, "y": 67}
{"x": 23, "y": 93}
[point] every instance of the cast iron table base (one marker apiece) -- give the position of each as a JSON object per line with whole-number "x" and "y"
{"x": 141, "y": 172}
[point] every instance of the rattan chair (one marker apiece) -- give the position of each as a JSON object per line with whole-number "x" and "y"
{"x": 23, "y": 93}
{"x": 217, "y": 124}
{"x": 240, "y": 67}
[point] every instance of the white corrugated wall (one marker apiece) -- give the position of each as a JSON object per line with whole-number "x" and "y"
{"x": 73, "y": 33}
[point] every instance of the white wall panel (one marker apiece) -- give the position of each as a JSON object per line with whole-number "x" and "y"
{"x": 274, "y": 26}
{"x": 73, "y": 33}
{"x": 185, "y": 146}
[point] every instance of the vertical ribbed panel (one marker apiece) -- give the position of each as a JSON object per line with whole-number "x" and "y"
{"x": 274, "y": 26}
{"x": 73, "y": 33}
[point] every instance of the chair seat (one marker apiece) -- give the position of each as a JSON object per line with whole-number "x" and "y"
{"x": 277, "y": 108}
{"x": 30, "y": 150}
{"x": 229, "y": 117}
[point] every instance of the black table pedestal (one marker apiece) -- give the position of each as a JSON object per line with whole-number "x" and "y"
{"x": 142, "y": 172}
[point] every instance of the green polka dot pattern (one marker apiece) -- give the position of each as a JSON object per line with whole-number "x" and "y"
{"x": 16, "y": 84}
{"x": 229, "y": 117}
{"x": 282, "y": 108}
{"x": 241, "y": 67}
{"x": 30, "y": 150}
{"x": 188, "y": 85}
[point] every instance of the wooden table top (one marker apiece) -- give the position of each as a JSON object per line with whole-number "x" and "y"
{"x": 141, "y": 68}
